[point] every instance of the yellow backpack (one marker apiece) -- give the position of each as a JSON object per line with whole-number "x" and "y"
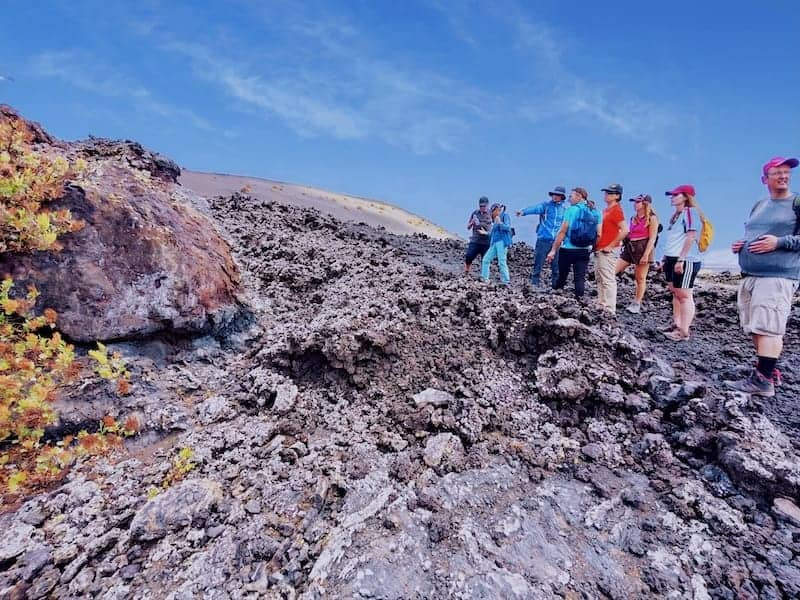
{"x": 706, "y": 234}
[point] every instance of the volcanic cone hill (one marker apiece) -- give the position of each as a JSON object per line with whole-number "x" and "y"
{"x": 384, "y": 427}
{"x": 342, "y": 206}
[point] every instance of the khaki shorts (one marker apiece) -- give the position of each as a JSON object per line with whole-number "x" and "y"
{"x": 765, "y": 303}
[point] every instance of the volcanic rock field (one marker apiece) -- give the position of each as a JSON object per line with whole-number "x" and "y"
{"x": 375, "y": 424}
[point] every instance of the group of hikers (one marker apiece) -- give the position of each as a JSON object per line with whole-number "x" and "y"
{"x": 571, "y": 229}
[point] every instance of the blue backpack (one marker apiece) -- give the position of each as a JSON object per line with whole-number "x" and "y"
{"x": 583, "y": 231}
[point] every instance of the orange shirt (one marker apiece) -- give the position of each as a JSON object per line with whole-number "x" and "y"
{"x": 612, "y": 218}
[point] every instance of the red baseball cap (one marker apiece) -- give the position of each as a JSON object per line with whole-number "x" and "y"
{"x": 778, "y": 161}
{"x": 681, "y": 189}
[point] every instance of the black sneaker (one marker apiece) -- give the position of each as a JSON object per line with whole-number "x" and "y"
{"x": 755, "y": 385}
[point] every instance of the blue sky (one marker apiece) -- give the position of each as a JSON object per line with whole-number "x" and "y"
{"x": 428, "y": 104}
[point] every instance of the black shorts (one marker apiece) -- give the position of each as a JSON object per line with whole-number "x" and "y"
{"x": 474, "y": 249}
{"x": 683, "y": 280}
{"x": 633, "y": 251}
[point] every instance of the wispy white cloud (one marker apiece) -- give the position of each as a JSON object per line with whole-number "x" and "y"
{"x": 543, "y": 41}
{"x": 456, "y": 15}
{"x": 624, "y": 115}
{"x": 299, "y": 102}
{"x": 85, "y": 72}
{"x": 558, "y": 91}
{"x": 575, "y": 96}
{"x": 336, "y": 86}
{"x": 321, "y": 74}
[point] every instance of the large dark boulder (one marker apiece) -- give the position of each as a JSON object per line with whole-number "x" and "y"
{"x": 145, "y": 262}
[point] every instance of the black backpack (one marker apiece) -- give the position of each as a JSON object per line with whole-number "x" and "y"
{"x": 796, "y": 207}
{"x": 658, "y": 233}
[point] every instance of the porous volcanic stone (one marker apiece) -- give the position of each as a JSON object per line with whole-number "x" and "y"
{"x": 15, "y": 540}
{"x": 176, "y": 508}
{"x": 432, "y": 397}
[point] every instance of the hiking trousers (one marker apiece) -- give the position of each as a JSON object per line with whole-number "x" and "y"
{"x": 500, "y": 251}
{"x": 539, "y": 254}
{"x": 605, "y": 267}
{"x": 578, "y": 260}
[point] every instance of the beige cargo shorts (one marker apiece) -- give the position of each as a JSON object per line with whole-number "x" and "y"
{"x": 765, "y": 303}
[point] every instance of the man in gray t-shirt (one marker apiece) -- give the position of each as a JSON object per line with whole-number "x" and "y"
{"x": 769, "y": 256}
{"x": 480, "y": 224}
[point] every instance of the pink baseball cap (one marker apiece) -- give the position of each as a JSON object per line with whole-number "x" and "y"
{"x": 681, "y": 189}
{"x": 778, "y": 161}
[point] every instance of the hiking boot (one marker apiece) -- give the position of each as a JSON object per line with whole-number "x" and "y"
{"x": 634, "y": 307}
{"x": 755, "y": 385}
{"x": 777, "y": 378}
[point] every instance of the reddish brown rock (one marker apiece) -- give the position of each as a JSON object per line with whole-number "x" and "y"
{"x": 36, "y": 131}
{"x": 145, "y": 262}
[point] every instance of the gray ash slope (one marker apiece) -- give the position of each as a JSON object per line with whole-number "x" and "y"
{"x": 391, "y": 429}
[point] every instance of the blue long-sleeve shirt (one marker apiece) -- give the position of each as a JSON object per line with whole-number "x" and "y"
{"x": 772, "y": 217}
{"x": 553, "y": 216}
{"x": 501, "y": 231}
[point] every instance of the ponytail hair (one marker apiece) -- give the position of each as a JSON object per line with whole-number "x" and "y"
{"x": 649, "y": 213}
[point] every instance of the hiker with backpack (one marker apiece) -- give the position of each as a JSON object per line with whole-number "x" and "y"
{"x": 681, "y": 261}
{"x": 769, "y": 257}
{"x": 612, "y": 231}
{"x": 638, "y": 247}
{"x": 480, "y": 222}
{"x": 499, "y": 241}
{"x": 574, "y": 241}
{"x": 551, "y": 215}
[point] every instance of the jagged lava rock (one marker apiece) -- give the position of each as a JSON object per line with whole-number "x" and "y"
{"x": 15, "y": 540}
{"x": 432, "y": 397}
{"x": 145, "y": 262}
{"x": 285, "y": 397}
{"x": 787, "y": 510}
{"x": 176, "y": 508}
